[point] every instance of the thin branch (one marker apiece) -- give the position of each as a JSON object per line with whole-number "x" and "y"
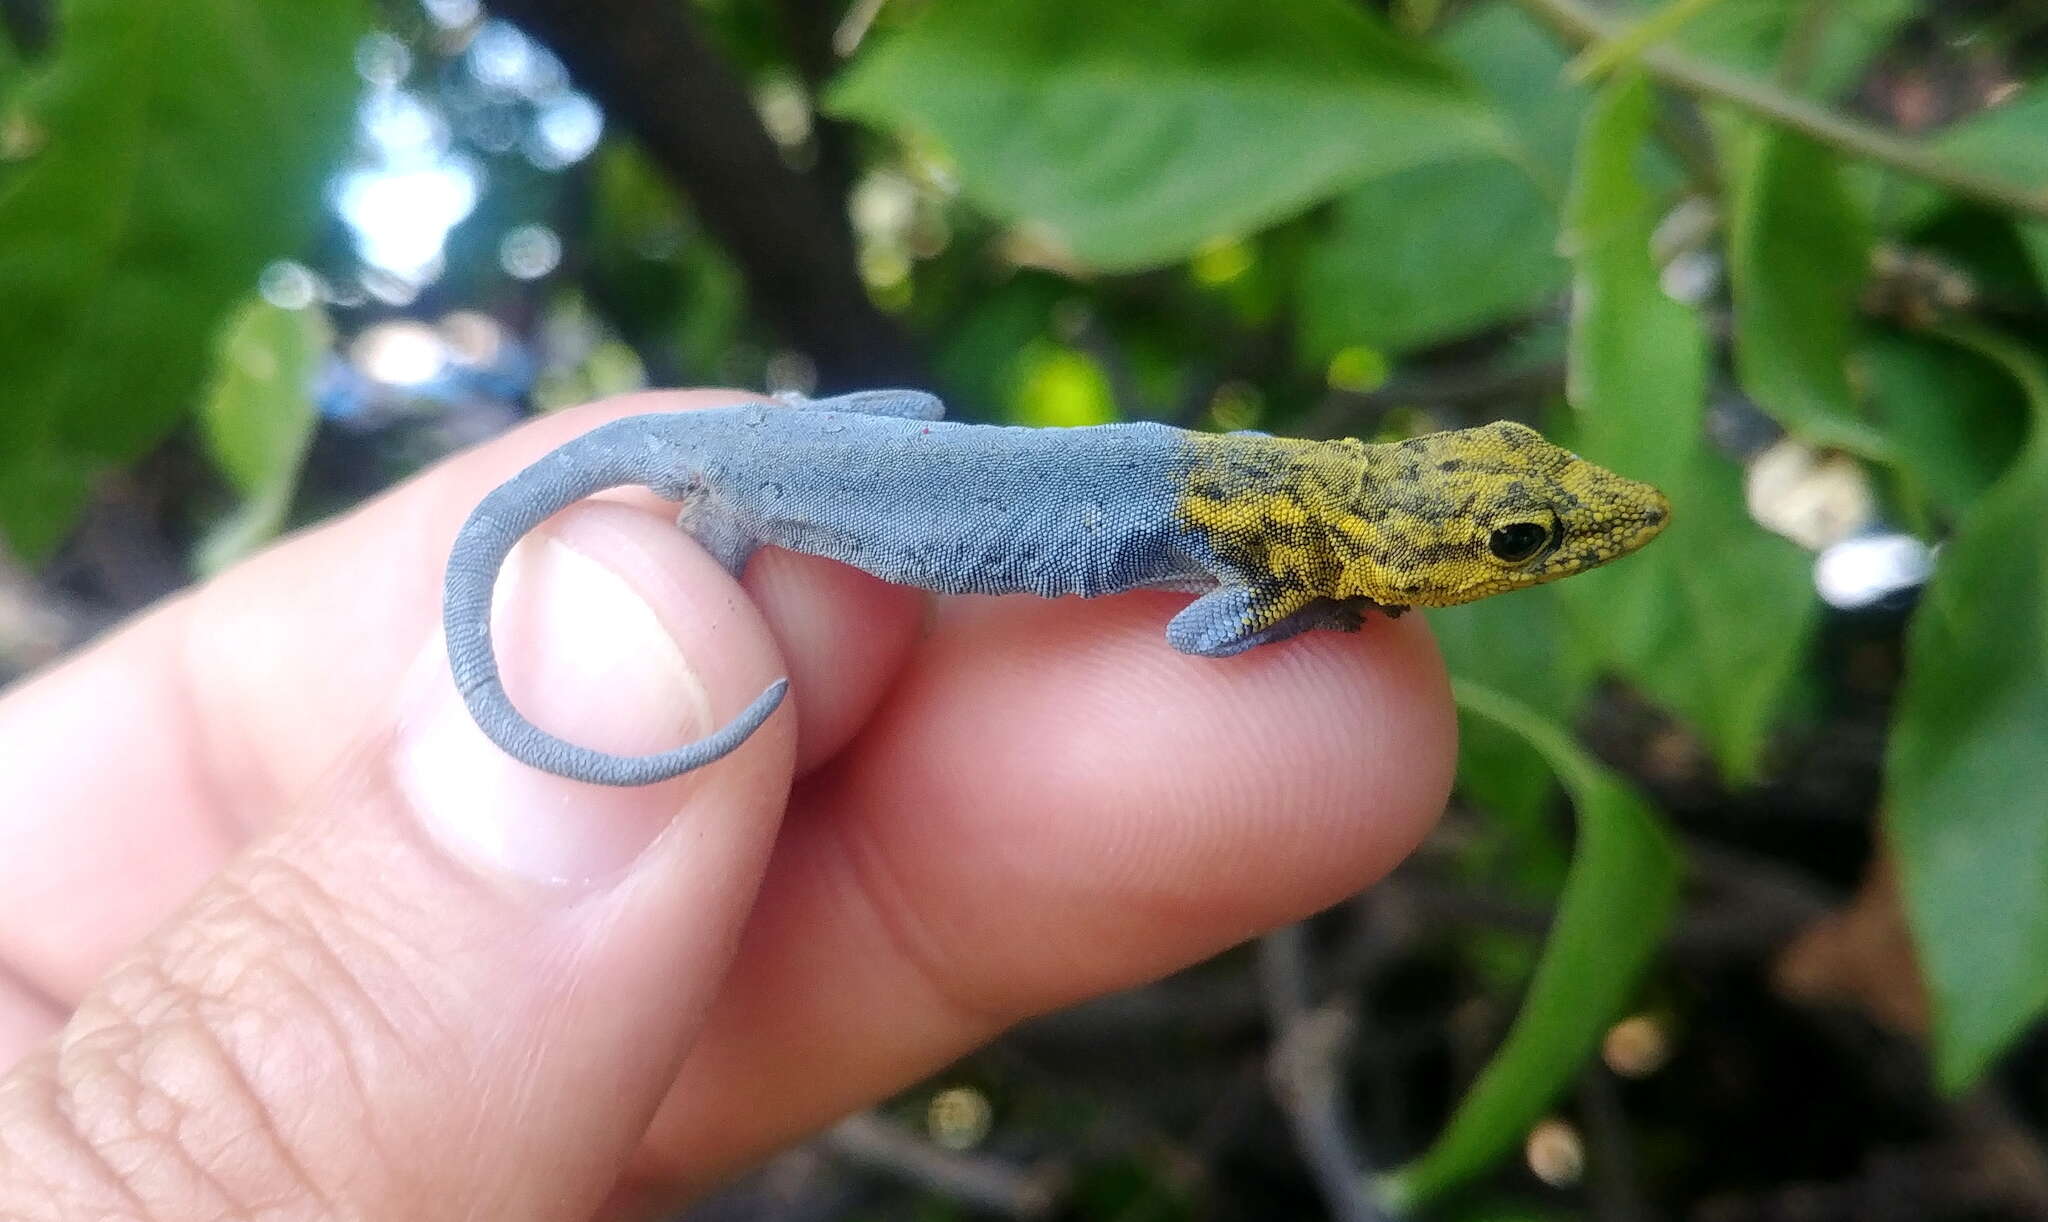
{"x": 1583, "y": 25}
{"x": 1306, "y": 1072}
{"x": 1601, "y": 58}
{"x": 1612, "y": 1182}
{"x": 650, "y": 66}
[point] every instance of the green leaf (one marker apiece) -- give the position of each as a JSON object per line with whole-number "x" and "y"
{"x": 2004, "y": 141}
{"x": 1637, "y": 375}
{"x": 1438, "y": 251}
{"x": 1618, "y": 898}
{"x": 181, "y": 148}
{"x": 1956, "y": 418}
{"x": 1416, "y": 16}
{"x": 1721, "y": 645}
{"x": 1752, "y": 36}
{"x": 2035, "y": 235}
{"x": 652, "y": 273}
{"x": 1637, "y": 365}
{"x": 1521, "y": 647}
{"x": 1519, "y": 66}
{"x": 258, "y": 419}
{"x": 1966, "y": 770}
{"x": 1799, "y": 254}
{"x": 980, "y": 355}
{"x": 1135, "y": 133}
{"x": 1428, "y": 255}
{"x": 1636, "y": 368}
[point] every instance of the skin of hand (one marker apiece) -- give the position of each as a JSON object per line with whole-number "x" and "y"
{"x": 282, "y": 934}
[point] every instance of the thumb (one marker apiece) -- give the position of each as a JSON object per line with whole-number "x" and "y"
{"x": 453, "y": 986}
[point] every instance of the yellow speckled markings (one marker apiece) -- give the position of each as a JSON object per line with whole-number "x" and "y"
{"x": 1432, "y": 521}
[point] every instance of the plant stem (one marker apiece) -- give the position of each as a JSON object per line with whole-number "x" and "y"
{"x": 1584, "y": 25}
{"x": 1601, "y": 58}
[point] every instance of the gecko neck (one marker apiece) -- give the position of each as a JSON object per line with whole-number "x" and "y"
{"x": 1321, "y": 519}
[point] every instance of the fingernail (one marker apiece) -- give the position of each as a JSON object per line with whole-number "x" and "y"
{"x": 586, "y": 658}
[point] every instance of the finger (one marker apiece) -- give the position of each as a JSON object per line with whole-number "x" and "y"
{"x": 26, "y": 1017}
{"x": 451, "y": 986}
{"x": 227, "y": 704}
{"x": 1050, "y": 805}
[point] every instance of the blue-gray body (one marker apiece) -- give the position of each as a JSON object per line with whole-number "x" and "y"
{"x": 952, "y": 508}
{"x": 878, "y": 481}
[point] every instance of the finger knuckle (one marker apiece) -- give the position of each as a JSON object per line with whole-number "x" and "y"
{"x": 233, "y": 1069}
{"x": 148, "y": 1108}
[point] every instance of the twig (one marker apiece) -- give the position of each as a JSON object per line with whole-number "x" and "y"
{"x": 1581, "y": 24}
{"x": 1601, "y": 58}
{"x": 1306, "y": 1073}
{"x": 1611, "y": 1180}
{"x": 976, "y": 1180}
{"x": 650, "y": 65}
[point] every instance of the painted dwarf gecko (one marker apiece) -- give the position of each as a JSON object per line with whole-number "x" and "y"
{"x": 1277, "y": 536}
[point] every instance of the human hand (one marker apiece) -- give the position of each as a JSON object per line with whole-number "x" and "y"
{"x": 395, "y": 974}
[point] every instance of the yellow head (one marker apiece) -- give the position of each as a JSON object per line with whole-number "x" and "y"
{"x": 1452, "y": 517}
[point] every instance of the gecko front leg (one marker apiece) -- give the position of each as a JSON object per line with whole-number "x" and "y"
{"x": 1224, "y": 622}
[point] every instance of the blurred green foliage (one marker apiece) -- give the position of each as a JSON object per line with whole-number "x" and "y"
{"x": 1966, "y": 760}
{"x": 1170, "y": 124}
{"x": 1289, "y": 214}
{"x": 258, "y": 419}
{"x": 162, "y": 156}
{"x": 1611, "y": 915}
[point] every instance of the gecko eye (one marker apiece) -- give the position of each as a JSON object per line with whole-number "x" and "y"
{"x": 1518, "y": 541}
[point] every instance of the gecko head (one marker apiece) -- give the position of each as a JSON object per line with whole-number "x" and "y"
{"x": 1497, "y": 508}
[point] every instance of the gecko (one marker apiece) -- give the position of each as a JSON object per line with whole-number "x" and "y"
{"x": 1275, "y": 536}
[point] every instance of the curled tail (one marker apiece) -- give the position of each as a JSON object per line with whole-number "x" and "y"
{"x": 623, "y": 452}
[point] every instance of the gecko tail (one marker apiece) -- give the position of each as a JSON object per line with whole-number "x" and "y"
{"x": 536, "y": 748}
{"x": 611, "y": 456}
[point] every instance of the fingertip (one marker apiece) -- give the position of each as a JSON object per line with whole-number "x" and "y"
{"x": 845, "y": 636}
{"x": 1052, "y": 804}
{"x": 1156, "y": 807}
{"x": 617, "y": 636}
{"x": 1326, "y": 756}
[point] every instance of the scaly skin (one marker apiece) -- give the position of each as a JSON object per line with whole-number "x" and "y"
{"x": 1278, "y": 536}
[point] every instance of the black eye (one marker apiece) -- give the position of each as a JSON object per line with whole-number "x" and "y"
{"x": 1518, "y": 541}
